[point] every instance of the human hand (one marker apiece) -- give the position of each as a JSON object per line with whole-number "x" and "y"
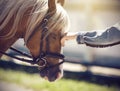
{"x": 66, "y": 38}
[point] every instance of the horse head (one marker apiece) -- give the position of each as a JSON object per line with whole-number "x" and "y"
{"x": 44, "y": 42}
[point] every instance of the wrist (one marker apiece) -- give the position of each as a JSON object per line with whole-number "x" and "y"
{"x": 80, "y": 38}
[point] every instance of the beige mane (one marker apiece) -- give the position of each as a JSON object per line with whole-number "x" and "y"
{"x": 59, "y": 21}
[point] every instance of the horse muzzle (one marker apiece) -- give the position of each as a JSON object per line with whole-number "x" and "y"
{"x": 51, "y": 74}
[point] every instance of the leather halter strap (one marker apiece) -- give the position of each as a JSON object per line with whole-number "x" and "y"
{"x": 47, "y": 53}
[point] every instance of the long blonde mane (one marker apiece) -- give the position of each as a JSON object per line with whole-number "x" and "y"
{"x": 58, "y": 21}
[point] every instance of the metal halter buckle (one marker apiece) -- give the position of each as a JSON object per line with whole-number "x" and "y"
{"x": 41, "y": 62}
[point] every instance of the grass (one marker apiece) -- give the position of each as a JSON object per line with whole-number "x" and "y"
{"x": 36, "y": 83}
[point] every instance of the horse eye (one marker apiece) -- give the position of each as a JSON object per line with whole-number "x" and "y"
{"x": 54, "y": 36}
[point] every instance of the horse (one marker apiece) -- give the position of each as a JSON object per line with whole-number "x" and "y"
{"x": 42, "y": 24}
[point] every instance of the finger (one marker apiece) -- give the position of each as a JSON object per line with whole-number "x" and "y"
{"x": 63, "y": 41}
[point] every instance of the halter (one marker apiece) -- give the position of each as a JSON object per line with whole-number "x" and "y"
{"x": 43, "y": 54}
{"x": 47, "y": 53}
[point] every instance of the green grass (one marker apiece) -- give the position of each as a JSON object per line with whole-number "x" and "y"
{"x": 36, "y": 83}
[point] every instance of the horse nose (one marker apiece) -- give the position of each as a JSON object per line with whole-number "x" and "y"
{"x": 55, "y": 77}
{"x": 51, "y": 76}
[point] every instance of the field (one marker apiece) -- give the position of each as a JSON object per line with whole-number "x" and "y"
{"x": 33, "y": 81}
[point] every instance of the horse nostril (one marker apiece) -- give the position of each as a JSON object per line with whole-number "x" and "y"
{"x": 44, "y": 73}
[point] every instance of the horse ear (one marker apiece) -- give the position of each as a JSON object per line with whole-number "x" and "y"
{"x": 61, "y": 2}
{"x": 51, "y": 5}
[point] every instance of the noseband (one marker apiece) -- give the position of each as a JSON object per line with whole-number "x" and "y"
{"x": 43, "y": 54}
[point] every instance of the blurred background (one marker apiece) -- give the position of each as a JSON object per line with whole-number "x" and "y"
{"x": 86, "y": 68}
{"x": 89, "y": 15}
